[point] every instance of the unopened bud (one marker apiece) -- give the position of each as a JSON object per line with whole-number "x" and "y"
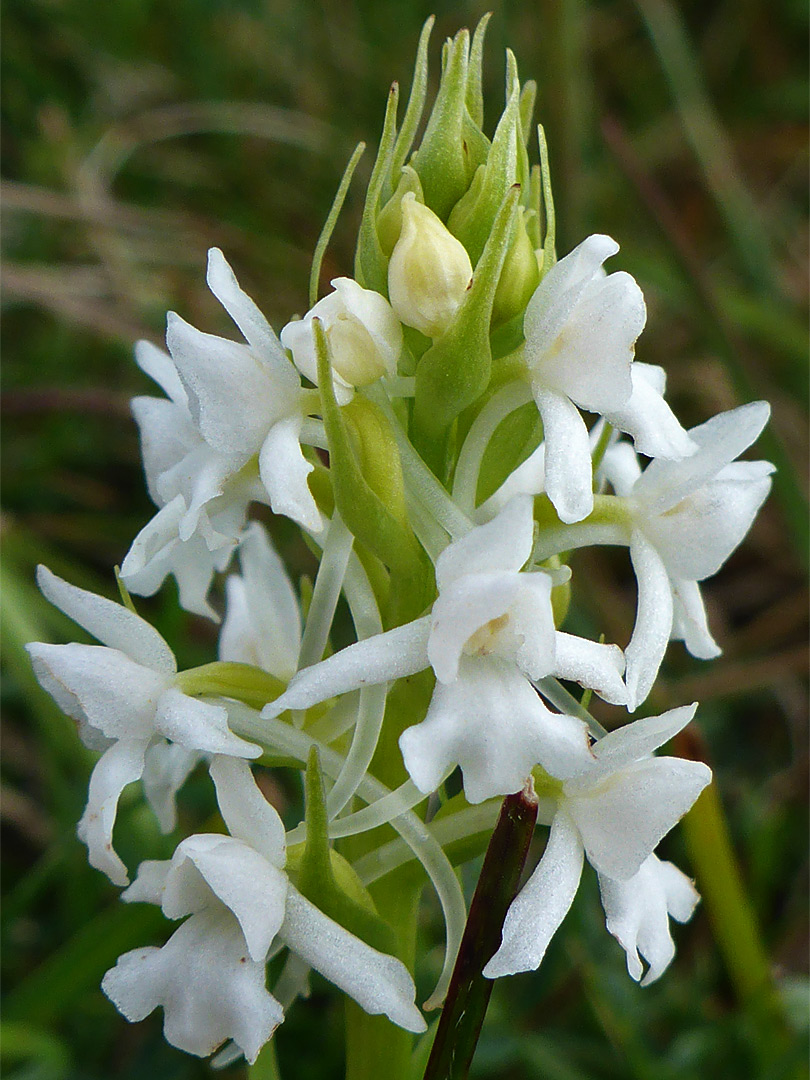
{"x": 429, "y": 272}
{"x": 519, "y": 278}
{"x": 364, "y": 336}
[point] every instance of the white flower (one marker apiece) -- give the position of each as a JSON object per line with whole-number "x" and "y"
{"x": 490, "y": 633}
{"x": 124, "y": 697}
{"x": 209, "y": 977}
{"x": 684, "y": 519}
{"x": 228, "y": 433}
{"x": 262, "y": 623}
{"x": 581, "y": 326}
{"x": 364, "y": 336}
{"x": 637, "y": 914}
{"x": 614, "y": 807}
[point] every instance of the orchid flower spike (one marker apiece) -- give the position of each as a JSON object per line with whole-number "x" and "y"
{"x": 614, "y": 806}
{"x": 124, "y": 696}
{"x": 209, "y": 977}
{"x": 489, "y": 635}
{"x": 228, "y": 434}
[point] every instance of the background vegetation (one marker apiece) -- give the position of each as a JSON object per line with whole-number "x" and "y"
{"x": 136, "y": 135}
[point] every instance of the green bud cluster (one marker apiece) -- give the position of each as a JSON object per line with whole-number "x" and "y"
{"x": 457, "y": 233}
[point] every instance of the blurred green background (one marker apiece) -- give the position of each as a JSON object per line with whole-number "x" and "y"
{"x": 136, "y": 135}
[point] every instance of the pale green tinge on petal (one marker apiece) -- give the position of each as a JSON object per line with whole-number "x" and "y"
{"x": 113, "y": 624}
{"x": 199, "y": 725}
{"x": 378, "y": 983}
{"x": 542, "y": 903}
{"x": 622, "y": 819}
{"x": 209, "y": 988}
{"x": 122, "y": 764}
{"x": 246, "y": 812}
{"x": 637, "y": 914}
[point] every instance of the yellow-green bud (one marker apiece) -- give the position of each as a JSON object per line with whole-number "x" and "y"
{"x": 429, "y": 272}
{"x": 519, "y": 278}
{"x": 364, "y": 335}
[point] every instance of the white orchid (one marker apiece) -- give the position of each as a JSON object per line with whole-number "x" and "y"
{"x": 364, "y": 336}
{"x": 228, "y": 433}
{"x": 581, "y": 326}
{"x": 209, "y": 977}
{"x": 125, "y": 698}
{"x": 681, "y": 520}
{"x": 491, "y": 632}
{"x": 614, "y": 807}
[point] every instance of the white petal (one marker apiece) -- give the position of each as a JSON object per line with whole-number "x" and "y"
{"x": 464, "y": 606}
{"x": 532, "y": 620}
{"x": 245, "y": 810}
{"x": 591, "y": 664}
{"x": 696, "y": 537}
{"x": 284, "y": 470}
{"x": 263, "y": 621}
{"x": 378, "y": 983}
{"x": 721, "y": 440}
{"x": 637, "y": 740}
{"x": 653, "y": 426}
{"x": 158, "y": 365}
{"x": 542, "y": 904}
{"x": 505, "y": 543}
{"x": 256, "y": 329}
{"x": 232, "y": 395}
{"x": 376, "y": 315}
{"x": 622, "y": 819}
{"x": 569, "y": 477}
{"x": 122, "y": 764}
{"x": 199, "y": 725}
{"x": 378, "y": 659}
{"x": 111, "y": 623}
{"x": 620, "y": 467}
{"x": 529, "y": 478}
{"x": 689, "y": 622}
{"x": 165, "y": 771}
{"x": 149, "y": 883}
{"x": 653, "y": 626}
{"x": 637, "y": 914}
{"x": 491, "y": 723}
{"x": 168, "y": 436}
{"x": 102, "y": 686}
{"x": 251, "y": 887}
{"x": 208, "y": 986}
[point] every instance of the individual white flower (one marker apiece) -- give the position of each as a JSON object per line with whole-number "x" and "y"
{"x": 228, "y": 433}
{"x": 637, "y": 914}
{"x": 262, "y": 624}
{"x": 491, "y": 632}
{"x": 429, "y": 272}
{"x": 124, "y": 697}
{"x": 614, "y": 806}
{"x": 682, "y": 520}
{"x": 581, "y": 326}
{"x": 364, "y": 336}
{"x": 209, "y": 977}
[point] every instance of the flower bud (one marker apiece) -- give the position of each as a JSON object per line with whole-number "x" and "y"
{"x": 429, "y": 272}
{"x": 519, "y": 278}
{"x": 364, "y": 336}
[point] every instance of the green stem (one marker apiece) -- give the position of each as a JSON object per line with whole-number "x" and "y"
{"x": 469, "y": 993}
